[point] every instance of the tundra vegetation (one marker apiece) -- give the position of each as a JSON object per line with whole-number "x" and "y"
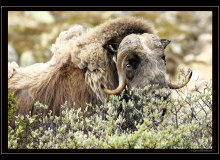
{"x": 187, "y": 123}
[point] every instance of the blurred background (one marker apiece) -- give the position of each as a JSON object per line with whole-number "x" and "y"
{"x": 32, "y": 33}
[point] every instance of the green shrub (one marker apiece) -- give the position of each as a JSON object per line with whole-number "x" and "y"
{"x": 11, "y": 106}
{"x": 187, "y": 124}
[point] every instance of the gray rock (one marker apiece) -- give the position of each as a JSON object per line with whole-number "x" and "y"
{"x": 12, "y": 54}
{"x": 189, "y": 58}
{"x": 206, "y": 55}
{"x": 205, "y": 37}
{"x": 115, "y": 14}
{"x": 176, "y": 48}
{"x": 170, "y": 17}
{"x": 41, "y": 16}
{"x": 27, "y": 59}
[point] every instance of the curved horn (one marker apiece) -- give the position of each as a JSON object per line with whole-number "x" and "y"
{"x": 174, "y": 86}
{"x": 128, "y": 44}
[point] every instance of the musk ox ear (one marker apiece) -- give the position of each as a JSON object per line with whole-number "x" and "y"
{"x": 165, "y": 42}
{"x": 111, "y": 48}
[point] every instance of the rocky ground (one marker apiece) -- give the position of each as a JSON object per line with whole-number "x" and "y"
{"x": 31, "y": 35}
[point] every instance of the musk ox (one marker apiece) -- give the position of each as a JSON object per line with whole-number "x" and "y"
{"x": 88, "y": 67}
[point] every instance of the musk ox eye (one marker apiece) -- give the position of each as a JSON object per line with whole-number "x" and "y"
{"x": 163, "y": 57}
{"x": 128, "y": 65}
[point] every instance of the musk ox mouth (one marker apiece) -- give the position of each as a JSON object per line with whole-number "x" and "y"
{"x": 137, "y": 113}
{"x": 151, "y": 98}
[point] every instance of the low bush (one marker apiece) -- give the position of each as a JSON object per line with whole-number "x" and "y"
{"x": 11, "y": 106}
{"x": 182, "y": 123}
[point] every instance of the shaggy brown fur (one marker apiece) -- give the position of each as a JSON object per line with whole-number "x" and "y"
{"x": 67, "y": 84}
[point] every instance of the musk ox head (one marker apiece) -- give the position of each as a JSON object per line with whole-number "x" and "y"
{"x": 141, "y": 62}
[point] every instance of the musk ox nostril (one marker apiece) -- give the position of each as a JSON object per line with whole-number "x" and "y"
{"x": 164, "y": 111}
{"x": 102, "y": 86}
{"x": 165, "y": 98}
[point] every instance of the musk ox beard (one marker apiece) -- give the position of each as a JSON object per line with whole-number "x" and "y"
{"x": 88, "y": 67}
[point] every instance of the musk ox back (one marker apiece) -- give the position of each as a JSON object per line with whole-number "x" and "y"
{"x": 88, "y": 67}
